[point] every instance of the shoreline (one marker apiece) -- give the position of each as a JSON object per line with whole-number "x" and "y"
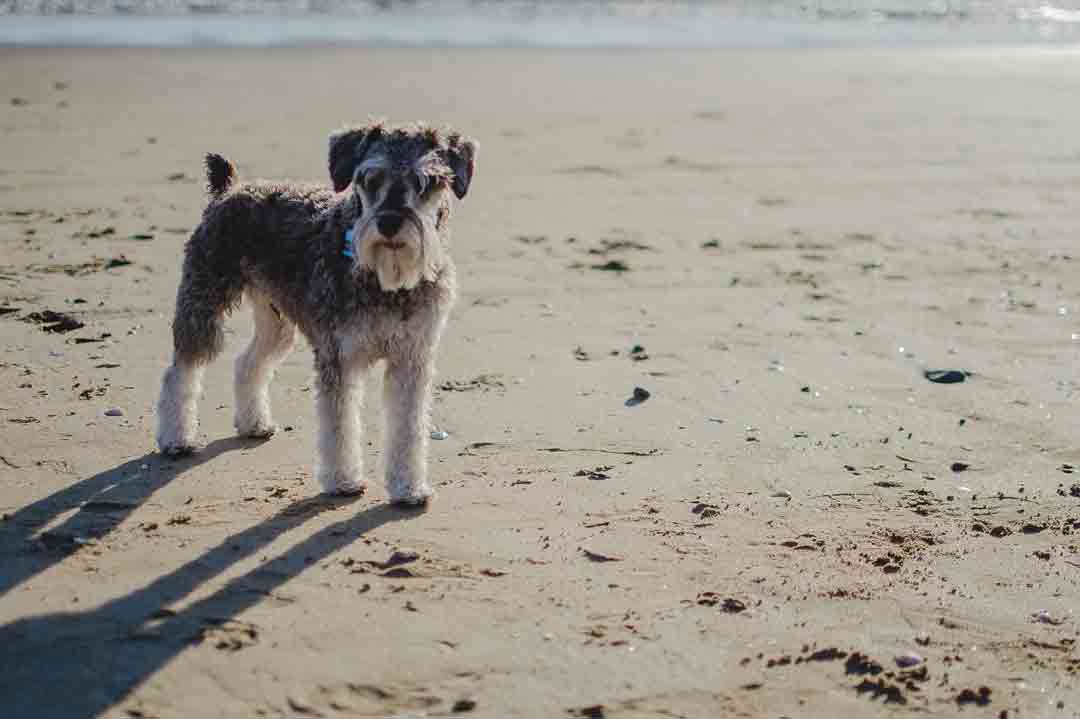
{"x": 450, "y": 30}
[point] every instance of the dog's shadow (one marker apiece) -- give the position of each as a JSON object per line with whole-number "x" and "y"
{"x": 70, "y": 664}
{"x": 101, "y": 503}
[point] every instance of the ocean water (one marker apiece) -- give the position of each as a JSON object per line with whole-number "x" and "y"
{"x": 552, "y": 24}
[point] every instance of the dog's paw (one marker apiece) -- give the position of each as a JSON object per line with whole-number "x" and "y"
{"x": 260, "y": 430}
{"x": 413, "y": 496}
{"x": 181, "y": 449}
{"x": 344, "y": 484}
{"x": 350, "y": 490}
{"x": 177, "y": 441}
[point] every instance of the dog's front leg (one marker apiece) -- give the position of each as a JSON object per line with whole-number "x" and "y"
{"x": 407, "y": 399}
{"x": 340, "y": 467}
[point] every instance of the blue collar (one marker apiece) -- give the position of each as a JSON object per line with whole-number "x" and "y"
{"x": 350, "y": 249}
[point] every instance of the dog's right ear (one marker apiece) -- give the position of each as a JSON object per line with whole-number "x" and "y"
{"x": 347, "y": 150}
{"x": 460, "y": 156}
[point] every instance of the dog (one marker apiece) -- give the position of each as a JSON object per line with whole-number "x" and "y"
{"x": 364, "y": 274}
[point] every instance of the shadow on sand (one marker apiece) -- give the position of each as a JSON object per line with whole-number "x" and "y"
{"x": 102, "y": 503}
{"x": 79, "y": 664}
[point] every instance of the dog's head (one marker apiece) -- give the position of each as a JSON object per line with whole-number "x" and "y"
{"x": 401, "y": 178}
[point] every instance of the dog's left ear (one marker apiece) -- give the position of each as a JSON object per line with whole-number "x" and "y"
{"x": 347, "y": 150}
{"x": 460, "y": 157}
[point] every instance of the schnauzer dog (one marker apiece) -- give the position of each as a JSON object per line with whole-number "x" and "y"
{"x": 365, "y": 275}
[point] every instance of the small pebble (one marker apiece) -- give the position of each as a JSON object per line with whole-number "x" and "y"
{"x": 641, "y": 394}
{"x": 463, "y": 705}
{"x": 402, "y": 556}
{"x": 908, "y": 659}
{"x": 946, "y": 376}
{"x": 783, "y": 493}
{"x": 439, "y": 434}
{"x": 114, "y": 413}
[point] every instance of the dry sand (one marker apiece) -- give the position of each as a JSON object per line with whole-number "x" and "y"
{"x": 805, "y": 232}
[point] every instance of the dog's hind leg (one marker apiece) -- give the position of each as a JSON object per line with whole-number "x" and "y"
{"x": 274, "y": 335}
{"x": 198, "y": 337}
{"x": 177, "y": 409}
{"x": 340, "y": 466}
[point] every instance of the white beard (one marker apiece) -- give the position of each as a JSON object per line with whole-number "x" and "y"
{"x": 403, "y": 268}
{"x": 397, "y": 269}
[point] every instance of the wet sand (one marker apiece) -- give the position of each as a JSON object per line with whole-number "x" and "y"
{"x": 790, "y": 239}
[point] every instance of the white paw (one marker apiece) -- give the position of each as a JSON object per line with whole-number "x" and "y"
{"x": 178, "y": 449}
{"x": 176, "y": 442}
{"x": 412, "y": 495}
{"x": 260, "y": 429}
{"x": 335, "y": 481}
{"x": 350, "y": 489}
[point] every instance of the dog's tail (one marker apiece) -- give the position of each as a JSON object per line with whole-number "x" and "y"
{"x": 220, "y": 175}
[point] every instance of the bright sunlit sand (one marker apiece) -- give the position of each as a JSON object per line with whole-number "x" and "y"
{"x": 760, "y": 398}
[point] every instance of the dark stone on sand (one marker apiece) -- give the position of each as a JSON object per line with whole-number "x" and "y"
{"x": 57, "y": 322}
{"x": 979, "y": 698}
{"x": 859, "y": 663}
{"x": 463, "y": 705}
{"x": 401, "y": 556}
{"x": 946, "y": 376}
{"x": 612, "y": 266}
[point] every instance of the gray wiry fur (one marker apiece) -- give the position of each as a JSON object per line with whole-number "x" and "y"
{"x": 281, "y": 246}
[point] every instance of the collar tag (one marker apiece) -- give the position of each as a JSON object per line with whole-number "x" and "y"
{"x": 349, "y": 250}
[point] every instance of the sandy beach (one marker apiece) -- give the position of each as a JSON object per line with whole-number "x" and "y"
{"x": 777, "y": 245}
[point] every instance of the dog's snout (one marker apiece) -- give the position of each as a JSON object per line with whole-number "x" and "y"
{"x": 389, "y": 223}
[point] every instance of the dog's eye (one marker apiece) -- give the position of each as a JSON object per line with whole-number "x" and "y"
{"x": 372, "y": 180}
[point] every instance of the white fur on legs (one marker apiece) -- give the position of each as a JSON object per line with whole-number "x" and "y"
{"x": 407, "y": 391}
{"x": 255, "y": 367}
{"x": 178, "y": 407}
{"x": 340, "y": 466}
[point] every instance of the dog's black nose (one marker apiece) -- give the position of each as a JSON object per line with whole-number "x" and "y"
{"x": 389, "y": 223}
